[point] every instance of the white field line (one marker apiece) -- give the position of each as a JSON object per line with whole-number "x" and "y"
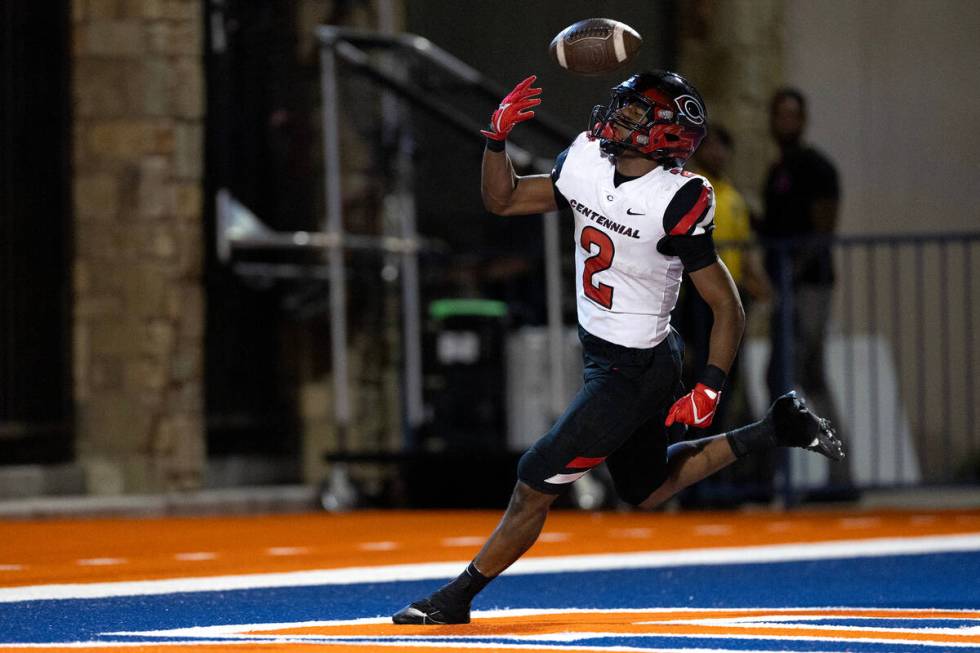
{"x": 765, "y": 615}
{"x": 398, "y": 643}
{"x": 232, "y": 634}
{"x": 98, "y": 644}
{"x": 100, "y": 562}
{"x": 195, "y": 556}
{"x": 577, "y": 641}
{"x": 552, "y": 564}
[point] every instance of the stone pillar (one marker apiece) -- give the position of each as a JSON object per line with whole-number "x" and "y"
{"x": 733, "y": 50}
{"x": 138, "y": 105}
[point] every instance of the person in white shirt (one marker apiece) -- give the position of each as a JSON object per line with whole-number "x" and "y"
{"x": 641, "y": 221}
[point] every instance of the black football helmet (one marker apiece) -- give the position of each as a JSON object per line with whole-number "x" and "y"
{"x": 662, "y": 112}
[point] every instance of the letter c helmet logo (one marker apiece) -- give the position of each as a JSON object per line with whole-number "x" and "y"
{"x": 689, "y": 107}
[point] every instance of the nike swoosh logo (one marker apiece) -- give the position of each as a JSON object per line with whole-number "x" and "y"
{"x": 694, "y": 412}
{"x": 704, "y": 419}
{"x": 630, "y": 212}
{"x": 500, "y": 111}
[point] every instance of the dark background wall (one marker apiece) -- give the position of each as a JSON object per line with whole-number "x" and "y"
{"x": 35, "y": 323}
{"x": 508, "y": 41}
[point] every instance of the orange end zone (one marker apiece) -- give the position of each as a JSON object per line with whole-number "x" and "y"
{"x": 105, "y": 550}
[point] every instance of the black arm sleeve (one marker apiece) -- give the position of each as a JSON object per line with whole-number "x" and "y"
{"x": 496, "y": 146}
{"x": 695, "y": 252}
{"x": 686, "y": 237}
{"x": 555, "y": 174}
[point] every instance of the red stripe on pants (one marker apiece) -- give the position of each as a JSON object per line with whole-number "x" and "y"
{"x": 584, "y": 463}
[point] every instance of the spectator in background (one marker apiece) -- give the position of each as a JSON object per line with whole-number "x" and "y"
{"x": 733, "y": 233}
{"x": 801, "y": 203}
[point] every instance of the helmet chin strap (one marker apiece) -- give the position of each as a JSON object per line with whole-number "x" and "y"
{"x": 612, "y": 148}
{"x": 616, "y": 148}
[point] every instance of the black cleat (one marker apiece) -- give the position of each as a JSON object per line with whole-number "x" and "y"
{"x": 427, "y": 613}
{"x": 795, "y": 426}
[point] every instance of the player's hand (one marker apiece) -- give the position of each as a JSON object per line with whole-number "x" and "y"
{"x": 696, "y": 408}
{"x": 513, "y": 109}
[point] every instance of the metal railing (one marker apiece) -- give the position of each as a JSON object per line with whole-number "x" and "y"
{"x": 899, "y": 354}
{"x": 385, "y": 60}
{"x": 349, "y": 46}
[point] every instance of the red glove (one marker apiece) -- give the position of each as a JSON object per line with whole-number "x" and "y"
{"x": 696, "y": 408}
{"x": 513, "y": 109}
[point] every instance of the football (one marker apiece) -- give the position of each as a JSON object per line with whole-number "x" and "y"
{"x": 595, "y": 46}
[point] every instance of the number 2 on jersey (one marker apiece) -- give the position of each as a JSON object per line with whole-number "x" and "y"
{"x": 602, "y": 260}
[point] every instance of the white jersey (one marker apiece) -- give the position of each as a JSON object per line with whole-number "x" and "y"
{"x": 626, "y": 286}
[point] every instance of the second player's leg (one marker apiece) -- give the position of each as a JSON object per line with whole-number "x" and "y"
{"x": 789, "y": 423}
{"x": 647, "y": 472}
{"x": 689, "y": 462}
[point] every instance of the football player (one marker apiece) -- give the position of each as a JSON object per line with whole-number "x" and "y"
{"x": 641, "y": 221}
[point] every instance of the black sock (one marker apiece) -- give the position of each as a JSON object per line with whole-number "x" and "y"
{"x": 460, "y": 592}
{"x": 756, "y": 437}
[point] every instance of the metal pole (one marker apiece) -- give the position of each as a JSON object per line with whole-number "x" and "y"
{"x": 785, "y": 370}
{"x": 411, "y": 310}
{"x": 947, "y": 364}
{"x": 850, "y": 329}
{"x": 552, "y": 257}
{"x": 921, "y": 360}
{"x": 968, "y": 336}
{"x": 334, "y": 225}
{"x": 871, "y": 261}
{"x": 396, "y": 120}
{"x": 898, "y": 346}
{"x": 783, "y": 350}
